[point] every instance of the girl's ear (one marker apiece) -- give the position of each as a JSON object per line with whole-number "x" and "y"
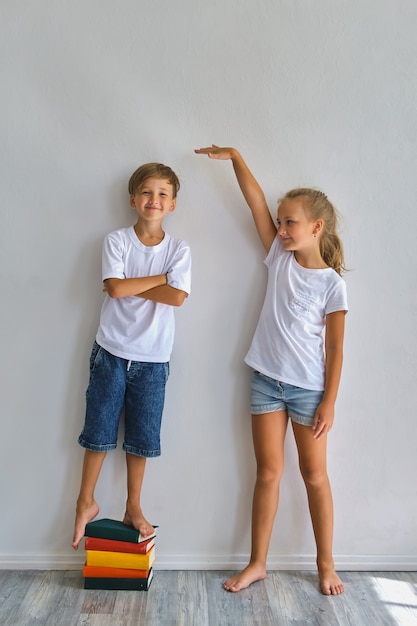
{"x": 318, "y": 227}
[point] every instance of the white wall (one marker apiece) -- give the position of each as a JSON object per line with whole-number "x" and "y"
{"x": 313, "y": 93}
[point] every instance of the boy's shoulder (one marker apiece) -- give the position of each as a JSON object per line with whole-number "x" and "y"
{"x": 126, "y": 237}
{"x": 120, "y": 233}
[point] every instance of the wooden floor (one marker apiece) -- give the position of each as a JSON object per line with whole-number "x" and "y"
{"x": 196, "y": 598}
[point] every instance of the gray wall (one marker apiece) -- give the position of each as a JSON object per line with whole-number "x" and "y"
{"x": 313, "y": 93}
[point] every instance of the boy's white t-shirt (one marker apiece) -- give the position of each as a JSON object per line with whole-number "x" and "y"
{"x": 288, "y": 344}
{"x": 135, "y": 328}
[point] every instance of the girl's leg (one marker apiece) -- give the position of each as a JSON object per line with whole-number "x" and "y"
{"x": 268, "y": 431}
{"x": 133, "y": 515}
{"x": 312, "y": 458}
{"x": 87, "y": 508}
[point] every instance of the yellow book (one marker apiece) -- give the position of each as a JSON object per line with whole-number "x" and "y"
{"x": 120, "y": 559}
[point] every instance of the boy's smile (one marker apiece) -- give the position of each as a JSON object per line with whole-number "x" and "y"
{"x": 154, "y": 199}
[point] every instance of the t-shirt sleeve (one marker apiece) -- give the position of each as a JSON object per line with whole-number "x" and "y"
{"x": 337, "y": 300}
{"x": 179, "y": 273}
{"x": 112, "y": 259}
{"x": 274, "y": 251}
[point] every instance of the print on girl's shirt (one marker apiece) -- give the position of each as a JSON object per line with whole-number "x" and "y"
{"x": 303, "y": 303}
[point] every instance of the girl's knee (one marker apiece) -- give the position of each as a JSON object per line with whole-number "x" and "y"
{"x": 314, "y": 477}
{"x": 269, "y": 475}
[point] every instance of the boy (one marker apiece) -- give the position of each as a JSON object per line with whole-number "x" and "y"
{"x": 145, "y": 274}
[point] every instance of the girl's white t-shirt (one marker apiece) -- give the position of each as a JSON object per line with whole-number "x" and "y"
{"x": 135, "y": 328}
{"x": 288, "y": 344}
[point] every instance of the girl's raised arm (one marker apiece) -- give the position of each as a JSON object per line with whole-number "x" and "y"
{"x": 251, "y": 190}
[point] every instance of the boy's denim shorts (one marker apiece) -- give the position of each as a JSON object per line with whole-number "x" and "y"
{"x": 269, "y": 395}
{"x": 139, "y": 388}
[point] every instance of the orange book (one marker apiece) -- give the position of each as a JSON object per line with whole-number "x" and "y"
{"x": 111, "y": 545}
{"x": 97, "y": 571}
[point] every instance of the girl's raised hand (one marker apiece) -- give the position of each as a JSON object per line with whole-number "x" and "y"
{"x": 216, "y": 152}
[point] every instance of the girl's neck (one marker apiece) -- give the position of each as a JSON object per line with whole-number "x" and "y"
{"x": 311, "y": 260}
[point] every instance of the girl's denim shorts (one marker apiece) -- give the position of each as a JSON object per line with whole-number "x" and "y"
{"x": 117, "y": 384}
{"x": 269, "y": 395}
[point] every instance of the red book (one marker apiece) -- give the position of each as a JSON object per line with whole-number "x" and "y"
{"x": 111, "y": 545}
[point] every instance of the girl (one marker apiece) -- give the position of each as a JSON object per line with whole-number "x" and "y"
{"x": 296, "y": 355}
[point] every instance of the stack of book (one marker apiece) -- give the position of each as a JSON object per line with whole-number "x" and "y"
{"x": 117, "y": 556}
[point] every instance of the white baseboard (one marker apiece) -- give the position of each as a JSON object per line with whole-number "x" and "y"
{"x": 362, "y": 562}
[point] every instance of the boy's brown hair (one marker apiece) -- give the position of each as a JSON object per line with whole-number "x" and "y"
{"x": 156, "y": 170}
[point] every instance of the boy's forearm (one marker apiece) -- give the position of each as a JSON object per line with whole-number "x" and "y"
{"x": 165, "y": 294}
{"x": 124, "y": 287}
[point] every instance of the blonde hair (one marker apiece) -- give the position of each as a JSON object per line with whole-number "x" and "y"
{"x": 156, "y": 170}
{"x": 319, "y": 207}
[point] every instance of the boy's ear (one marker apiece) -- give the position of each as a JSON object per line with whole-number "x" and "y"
{"x": 132, "y": 201}
{"x": 173, "y": 204}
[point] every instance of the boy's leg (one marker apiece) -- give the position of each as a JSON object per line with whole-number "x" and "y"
{"x": 268, "y": 431}
{"x": 144, "y": 403}
{"x": 133, "y": 515}
{"x": 87, "y": 508}
{"x": 312, "y": 458}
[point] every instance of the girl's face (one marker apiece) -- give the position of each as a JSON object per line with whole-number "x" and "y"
{"x": 295, "y": 227}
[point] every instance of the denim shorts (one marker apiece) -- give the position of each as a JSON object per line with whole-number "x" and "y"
{"x": 269, "y": 395}
{"x": 117, "y": 384}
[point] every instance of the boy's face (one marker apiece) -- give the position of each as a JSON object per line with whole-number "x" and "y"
{"x": 154, "y": 199}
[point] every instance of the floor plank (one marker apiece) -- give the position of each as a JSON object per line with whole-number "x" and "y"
{"x": 197, "y": 598}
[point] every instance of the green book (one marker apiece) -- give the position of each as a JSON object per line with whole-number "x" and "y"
{"x": 122, "y": 584}
{"x": 113, "y": 529}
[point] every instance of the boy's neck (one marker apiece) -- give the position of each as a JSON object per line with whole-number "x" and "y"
{"x": 149, "y": 236}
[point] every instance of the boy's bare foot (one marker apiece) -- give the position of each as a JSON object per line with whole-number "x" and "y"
{"x": 83, "y": 515}
{"x": 246, "y": 577}
{"x": 330, "y": 583}
{"x": 134, "y": 517}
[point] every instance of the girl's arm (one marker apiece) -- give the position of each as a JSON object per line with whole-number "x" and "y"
{"x": 124, "y": 287}
{"x": 335, "y": 327}
{"x": 251, "y": 190}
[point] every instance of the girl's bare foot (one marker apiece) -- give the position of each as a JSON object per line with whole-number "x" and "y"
{"x": 134, "y": 517}
{"x": 330, "y": 583}
{"x": 83, "y": 515}
{"x": 246, "y": 577}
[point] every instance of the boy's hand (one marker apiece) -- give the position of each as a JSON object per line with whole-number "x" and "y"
{"x": 216, "y": 152}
